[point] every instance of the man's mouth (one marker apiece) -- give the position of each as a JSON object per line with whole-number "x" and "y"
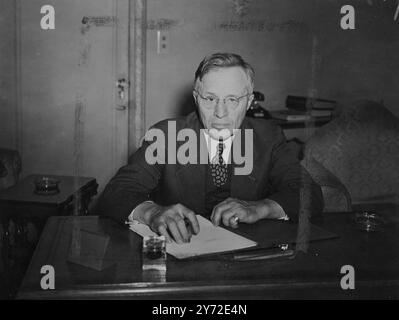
{"x": 220, "y": 126}
{"x": 218, "y": 134}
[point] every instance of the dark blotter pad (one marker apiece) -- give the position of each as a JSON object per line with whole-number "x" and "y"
{"x": 271, "y": 233}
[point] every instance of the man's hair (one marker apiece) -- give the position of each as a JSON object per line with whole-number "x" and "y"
{"x": 224, "y": 60}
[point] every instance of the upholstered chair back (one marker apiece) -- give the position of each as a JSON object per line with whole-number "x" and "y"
{"x": 361, "y": 148}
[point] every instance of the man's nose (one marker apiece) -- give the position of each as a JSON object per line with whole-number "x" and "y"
{"x": 221, "y": 109}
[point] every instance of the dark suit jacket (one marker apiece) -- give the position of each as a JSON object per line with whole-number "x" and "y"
{"x": 276, "y": 175}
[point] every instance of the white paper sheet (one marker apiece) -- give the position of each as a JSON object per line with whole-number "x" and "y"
{"x": 210, "y": 239}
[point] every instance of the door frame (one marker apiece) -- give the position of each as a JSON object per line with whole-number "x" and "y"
{"x": 137, "y": 73}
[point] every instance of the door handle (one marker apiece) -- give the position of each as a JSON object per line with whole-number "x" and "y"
{"x": 121, "y": 108}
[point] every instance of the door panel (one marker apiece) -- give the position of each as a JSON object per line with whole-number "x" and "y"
{"x": 73, "y": 120}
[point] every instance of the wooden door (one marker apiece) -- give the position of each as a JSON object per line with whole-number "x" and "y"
{"x": 72, "y": 118}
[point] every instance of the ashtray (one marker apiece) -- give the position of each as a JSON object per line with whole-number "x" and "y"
{"x": 369, "y": 221}
{"x": 46, "y": 186}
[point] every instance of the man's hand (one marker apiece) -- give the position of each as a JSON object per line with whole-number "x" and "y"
{"x": 170, "y": 221}
{"x": 231, "y": 211}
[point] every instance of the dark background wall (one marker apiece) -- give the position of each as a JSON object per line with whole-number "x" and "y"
{"x": 7, "y": 74}
{"x": 296, "y": 47}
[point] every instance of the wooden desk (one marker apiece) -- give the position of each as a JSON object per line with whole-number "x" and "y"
{"x": 316, "y": 274}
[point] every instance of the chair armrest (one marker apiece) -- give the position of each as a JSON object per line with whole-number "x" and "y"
{"x": 335, "y": 194}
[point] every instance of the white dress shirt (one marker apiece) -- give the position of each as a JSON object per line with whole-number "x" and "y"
{"x": 213, "y": 144}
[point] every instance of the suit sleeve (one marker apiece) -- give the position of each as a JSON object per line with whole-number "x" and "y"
{"x": 293, "y": 188}
{"x": 132, "y": 185}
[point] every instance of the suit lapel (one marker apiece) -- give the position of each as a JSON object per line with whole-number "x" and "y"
{"x": 191, "y": 178}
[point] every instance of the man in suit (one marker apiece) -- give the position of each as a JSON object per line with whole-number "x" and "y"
{"x": 166, "y": 195}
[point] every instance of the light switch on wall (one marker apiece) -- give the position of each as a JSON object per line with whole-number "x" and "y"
{"x": 162, "y": 42}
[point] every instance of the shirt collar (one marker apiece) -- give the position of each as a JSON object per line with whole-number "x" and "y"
{"x": 212, "y": 145}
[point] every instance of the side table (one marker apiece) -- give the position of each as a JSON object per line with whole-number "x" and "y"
{"x": 74, "y": 197}
{"x": 23, "y": 214}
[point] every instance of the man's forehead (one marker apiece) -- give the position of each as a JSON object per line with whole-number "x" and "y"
{"x": 229, "y": 78}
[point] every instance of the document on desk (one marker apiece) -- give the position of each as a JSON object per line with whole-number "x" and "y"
{"x": 211, "y": 239}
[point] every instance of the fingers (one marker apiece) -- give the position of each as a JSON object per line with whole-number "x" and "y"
{"x": 239, "y": 215}
{"x": 192, "y": 218}
{"x": 175, "y": 231}
{"x": 164, "y": 232}
{"x": 232, "y": 216}
{"x": 233, "y": 221}
{"x": 184, "y": 229}
{"x": 224, "y": 206}
{"x": 230, "y": 212}
{"x": 171, "y": 222}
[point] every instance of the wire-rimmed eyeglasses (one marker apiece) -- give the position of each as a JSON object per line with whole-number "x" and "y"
{"x": 211, "y": 101}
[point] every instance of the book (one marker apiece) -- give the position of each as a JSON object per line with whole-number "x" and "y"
{"x": 290, "y": 115}
{"x": 320, "y": 113}
{"x": 305, "y": 103}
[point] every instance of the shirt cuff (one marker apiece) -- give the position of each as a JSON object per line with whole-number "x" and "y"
{"x": 132, "y": 217}
{"x": 275, "y": 207}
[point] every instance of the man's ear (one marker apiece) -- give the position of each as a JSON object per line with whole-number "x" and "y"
{"x": 251, "y": 98}
{"x": 195, "y": 97}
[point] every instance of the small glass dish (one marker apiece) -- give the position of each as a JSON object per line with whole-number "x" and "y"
{"x": 369, "y": 221}
{"x": 46, "y": 185}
